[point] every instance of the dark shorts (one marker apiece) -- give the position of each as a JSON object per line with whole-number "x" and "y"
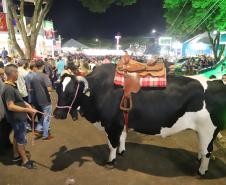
{"x": 19, "y": 129}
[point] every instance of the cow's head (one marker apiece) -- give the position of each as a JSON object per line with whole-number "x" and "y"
{"x": 70, "y": 91}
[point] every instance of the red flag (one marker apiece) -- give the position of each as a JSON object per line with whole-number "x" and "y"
{"x": 3, "y": 25}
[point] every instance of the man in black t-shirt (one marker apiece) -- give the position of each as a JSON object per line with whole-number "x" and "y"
{"x": 16, "y": 114}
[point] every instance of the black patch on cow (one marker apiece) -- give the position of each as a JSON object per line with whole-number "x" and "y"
{"x": 152, "y": 109}
{"x": 5, "y": 130}
{"x": 215, "y": 98}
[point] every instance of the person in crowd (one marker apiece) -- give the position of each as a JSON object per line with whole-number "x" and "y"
{"x": 2, "y": 74}
{"x": 54, "y": 72}
{"x": 21, "y": 85}
{"x": 16, "y": 114}
{"x": 106, "y": 60}
{"x": 224, "y": 79}
{"x": 84, "y": 69}
{"x": 60, "y": 66}
{"x": 22, "y": 73}
{"x": 4, "y": 55}
{"x": 71, "y": 69}
{"x": 41, "y": 86}
{"x": 28, "y": 79}
{"x": 48, "y": 68}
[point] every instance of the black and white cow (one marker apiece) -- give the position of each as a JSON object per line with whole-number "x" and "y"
{"x": 184, "y": 104}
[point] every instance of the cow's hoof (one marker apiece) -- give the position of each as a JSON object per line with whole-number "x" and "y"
{"x": 202, "y": 174}
{"x": 110, "y": 164}
{"x": 122, "y": 153}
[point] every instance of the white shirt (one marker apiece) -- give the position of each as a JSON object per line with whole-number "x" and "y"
{"x": 21, "y": 82}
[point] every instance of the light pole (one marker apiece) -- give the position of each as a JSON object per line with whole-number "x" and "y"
{"x": 118, "y": 37}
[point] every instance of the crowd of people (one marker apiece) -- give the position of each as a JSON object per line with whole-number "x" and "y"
{"x": 192, "y": 65}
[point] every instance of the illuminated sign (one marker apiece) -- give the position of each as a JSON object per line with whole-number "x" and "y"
{"x": 165, "y": 41}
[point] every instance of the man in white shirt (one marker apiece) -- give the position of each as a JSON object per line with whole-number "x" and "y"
{"x": 21, "y": 85}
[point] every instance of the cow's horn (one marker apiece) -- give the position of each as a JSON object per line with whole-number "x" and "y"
{"x": 82, "y": 79}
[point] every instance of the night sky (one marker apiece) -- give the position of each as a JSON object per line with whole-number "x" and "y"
{"x": 72, "y": 20}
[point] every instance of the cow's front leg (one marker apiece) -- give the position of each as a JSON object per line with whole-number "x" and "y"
{"x": 122, "y": 146}
{"x": 113, "y": 136}
{"x": 112, "y": 155}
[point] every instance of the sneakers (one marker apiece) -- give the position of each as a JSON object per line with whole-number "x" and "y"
{"x": 29, "y": 165}
{"x": 47, "y": 138}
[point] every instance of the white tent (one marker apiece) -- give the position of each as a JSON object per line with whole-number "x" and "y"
{"x": 73, "y": 45}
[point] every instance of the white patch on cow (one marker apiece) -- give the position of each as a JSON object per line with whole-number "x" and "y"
{"x": 99, "y": 126}
{"x": 66, "y": 82}
{"x": 187, "y": 121}
{"x": 122, "y": 146}
{"x": 202, "y": 79}
{"x": 200, "y": 122}
{"x": 205, "y": 129}
{"x": 113, "y": 151}
{"x": 83, "y": 79}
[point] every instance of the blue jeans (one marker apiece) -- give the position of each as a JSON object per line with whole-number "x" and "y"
{"x": 44, "y": 122}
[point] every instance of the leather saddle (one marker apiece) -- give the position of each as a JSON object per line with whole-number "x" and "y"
{"x": 155, "y": 69}
{"x": 133, "y": 71}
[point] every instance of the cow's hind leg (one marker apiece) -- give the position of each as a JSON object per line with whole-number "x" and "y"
{"x": 122, "y": 146}
{"x": 207, "y": 132}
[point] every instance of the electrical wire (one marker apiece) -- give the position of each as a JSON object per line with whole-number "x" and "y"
{"x": 205, "y": 18}
{"x": 175, "y": 20}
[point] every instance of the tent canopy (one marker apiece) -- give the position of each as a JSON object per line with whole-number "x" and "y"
{"x": 72, "y": 43}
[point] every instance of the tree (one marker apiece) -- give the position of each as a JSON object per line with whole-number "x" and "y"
{"x": 186, "y": 18}
{"x": 41, "y": 8}
{"x": 29, "y": 36}
{"x": 100, "y": 6}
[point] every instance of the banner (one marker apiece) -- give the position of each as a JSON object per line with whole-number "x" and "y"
{"x": 49, "y": 30}
{"x": 3, "y": 24}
